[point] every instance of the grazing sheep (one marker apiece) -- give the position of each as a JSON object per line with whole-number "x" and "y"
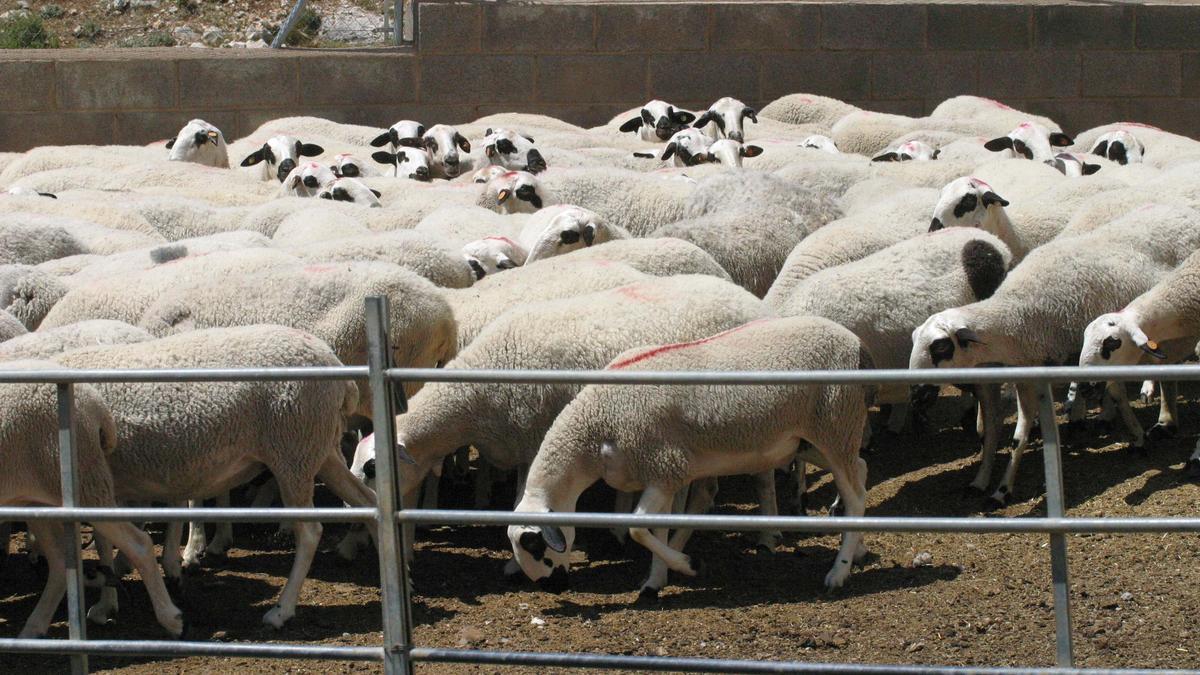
{"x": 513, "y": 151}
{"x": 180, "y": 441}
{"x": 192, "y": 145}
{"x": 1119, "y": 146}
{"x": 351, "y": 190}
{"x": 10, "y": 326}
{"x": 444, "y": 143}
{"x": 29, "y": 476}
{"x": 660, "y": 438}
{"x": 279, "y": 155}
{"x": 492, "y": 255}
{"x": 725, "y": 119}
{"x": 561, "y": 229}
{"x": 28, "y": 293}
{"x": 658, "y": 121}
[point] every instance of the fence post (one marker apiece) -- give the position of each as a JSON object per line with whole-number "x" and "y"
{"x": 1059, "y": 573}
{"x": 398, "y": 22}
{"x": 68, "y": 473}
{"x": 393, "y": 568}
{"x": 288, "y": 24}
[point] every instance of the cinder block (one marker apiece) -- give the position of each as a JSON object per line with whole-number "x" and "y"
{"x": 927, "y": 75}
{"x": 584, "y": 115}
{"x": 140, "y": 128}
{"x": 538, "y": 29}
{"x": 1109, "y": 74}
{"x": 651, "y": 28}
{"x": 836, "y": 74}
{"x": 906, "y": 107}
{"x": 237, "y": 83}
{"x": 975, "y": 27}
{"x": 449, "y": 27}
{"x": 704, "y": 76}
{"x": 1083, "y": 26}
{"x": 592, "y": 78}
{"x": 21, "y": 131}
{"x": 28, "y": 85}
{"x": 476, "y": 79}
{"x": 357, "y": 79}
{"x": 1180, "y": 116}
{"x": 756, "y": 26}
{"x": 1167, "y": 26}
{"x": 862, "y": 26}
{"x": 1075, "y": 115}
{"x": 1005, "y": 75}
{"x": 1191, "y": 75}
{"x": 128, "y": 84}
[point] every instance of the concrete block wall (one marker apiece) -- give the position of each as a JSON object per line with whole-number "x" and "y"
{"x": 1082, "y": 64}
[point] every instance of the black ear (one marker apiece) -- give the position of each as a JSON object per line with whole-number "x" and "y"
{"x": 47, "y": 194}
{"x": 990, "y": 198}
{"x": 751, "y": 151}
{"x": 1151, "y": 348}
{"x": 308, "y": 149}
{"x": 410, "y": 142}
{"x": 170, "y": 143}
{"x": 1060, "y": 140}
{"x": 1089, "y": 169}
{"x": 631, "y": 125}
{"x": 998, "y": 144}
{"x": 703, "y": 119}
{"x": 253, "y": 158}
{"x": 1101, "y": 149}
{"x": 751, "y": 113}
{"x": 377, "y": 193}
{"x": 462, "y": 143}
{"x": 936, "y": 153}
{"x": 1020, "y": 148}
{"x": 682, "y": 116}
{"x": 384, "y": 157}
{"x": 647, "y": 117}
{"x": 1116, "y": 152}
{"x": 966, "y": 336}
{"x": 488, "y": 132}
{"x": 904, "y": 157}
{"x": 506, "y": 264}
{"x": 644, "y": 155}
{"x": 382, "y": 139}
{"x": 554, "y": 538}
{"x": 476, "y": 268}
{"x": 528, "y": 138}
{"x": 887, "y": 157}
{"x": 935, "y": 225}
{"x": 668, "y": 152}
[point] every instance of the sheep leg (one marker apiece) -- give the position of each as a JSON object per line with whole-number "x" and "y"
{"x": 296, "y": 494}
{"x": 764, "y": 485}
{"x": 171, "y": 559}
{"x": 1168, "y": 409}
{"x": 1116, "y": 390}
{"x": 1147, "y": 391}
{"x": 656, "y": 499}
{"x": 5, "y": 538}
{"x": 223, "y": 533}
{"x": 483, "y": 484}
{"x": 622, "y": 503}
{"x": 1076, "y": 404}
{"x": 349, "y": 489}
{"x": 139, "y": 549}
{"x": 1027, "y": 404}
{"x": 104, "y": 612}
{"x": 196, "y": 540}
{"x": 1193, "y": 464}
{"x": 429, "y": 489}
{"x": 851, "y": 481}
{"x": 700, "y": 497}
{"x": 989, "y": 421}
{"x": 50, "y": 542}
{"x": 264, "y": 498}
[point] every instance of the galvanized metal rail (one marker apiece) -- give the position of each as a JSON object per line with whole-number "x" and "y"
{"x": 398, "y": 653}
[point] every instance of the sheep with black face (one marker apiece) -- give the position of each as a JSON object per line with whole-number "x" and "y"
{"x": 658, "y": 121}
{"x": 513, "y": 151}
{"x": 279, "y": 155}
{"x": 725, "y": 119}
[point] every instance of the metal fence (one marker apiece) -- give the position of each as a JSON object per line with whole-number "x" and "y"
{"x": 398, "y": 653}
{"x": 349, "y": 23}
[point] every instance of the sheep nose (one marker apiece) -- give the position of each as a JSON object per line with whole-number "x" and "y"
{"x": 285, "y": 167}
{"x": 422, "y": 173}
{"x": 310, "y": 181}
{"x": 452, "y": 160}
{"x": 369, "y": 469}
{"x": 736, "y": 136}
{"x": 350, "y": 170}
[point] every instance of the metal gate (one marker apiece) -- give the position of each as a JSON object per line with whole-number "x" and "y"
{"x": 398, "y": 653}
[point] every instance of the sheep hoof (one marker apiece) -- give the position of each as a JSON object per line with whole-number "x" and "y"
{"x": 1193, "y": 468}
{"x": 192, "y": 569}
{"x": 995, "y": 503}
{"x": 184, "y": 628}
{"x": 647, "y": 594}
{"x": 1139, "y": 450}
{"x": 1162, "y": 431}
{"x": 972, "y": 490}
{"x": 762, "y": 548}
{"x": 276, "y": 618}
{"x": 102, "y": 615}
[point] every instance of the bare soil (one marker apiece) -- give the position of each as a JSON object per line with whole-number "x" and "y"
{"x": 983, "y": 600}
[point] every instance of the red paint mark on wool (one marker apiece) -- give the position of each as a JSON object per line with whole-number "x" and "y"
{"x": 663, "y": 349}
{"x": 635, "y": 293}
{"x": 319, "y": 268}
{"x": 980, "y": 183}
{"x": 497, "y": 237}
{"x": 998, "y": 104}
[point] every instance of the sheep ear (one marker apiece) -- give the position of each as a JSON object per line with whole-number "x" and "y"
{"x": 253, "y": 158}
{"x": 377, "y": 193}
{"x": 668, "y": 152}
{"x": 904, "y": 157}
{"x": 47, "y": 194}
{"x": 1021, "y": 149}
{"x": 1089, "y": 169}
{"x": 936, "y": 153}
{"x": 998, "y": 144}
{"x": 554, "y": 538}
{"x": 990, "y": 198}
{"x": 887, "y": 157}
{"x": 966, "y": 336}
{"x": 751, "y": 151}
{"x": 1101, "y": 149}
{"x": 384, "y": 157}
{"x": 502, "y": 196}
{"x": 644, "y": 155}
{"x": 336, "y": 172}
{"x": 631, "y": 125}
{"x": 410, "y": 142}
{"x": 488, "y": 132}
{"x": 476, "y": 269}
{"x": 382, "y": 139}
{"x": 935, "y": 225}
{"x": 294, "y": 182}
{"x": 647, "y": 117}
{"x": 462, "y": 143}
{"x": 751, "y": 113}
{"x": 536, "y": 201}
{"x": 682, "y": 116}
{"x": 170, "y": 143}
{"x": 308, "y": 149}
{"x": 490, "y": 150}
{"x": 505, "y": 264}
{"x": 1060, "y": 140}
{"x": 528, "y": 138}
{"x": 1116, "y": 152}
{"x": 703, "y": 119}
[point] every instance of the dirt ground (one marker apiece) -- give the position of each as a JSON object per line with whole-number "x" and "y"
{"x": 983, "y": 600}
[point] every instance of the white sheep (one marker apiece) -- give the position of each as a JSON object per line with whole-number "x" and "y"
{"x": 10, "y": 327}
{"x": 638, "y": 202}
{"x": 726, "y": 119}
{"x": 515, "y": 192}
{"x": 351, "y": 190}
{"x": 405, "y": 133}
{"x": 427, "y": 255}
{"x": 1119, "y": 146}
{"x": 347, "y": 165}
{"x": 660, "y": 438}
{"x": 820, "y": 142}
{"x": 656, "y": 256}
{"x": 909, "y": 150}
{"x": 487, "y": 173}
{"x": 411, "y": 163}
{"x": 444, "y": 144}
{"x": 192, "y": 143}
{"x": 971, "y": 202}
{"x": 1031, "y": 141}
{"x": 658, "y": 121}
{"x": 560, "y": 229}
{"x": 26, "y": 241}
{"x": 279, "y": 155}
{"x": 46, "y": 344}
{"x": 807, "y": 109}
{"x": 729, "y": 153}
{"x": 30, "y": 470}
{"x": 307, "y": 180}
{"x": 492, "y": 255}
{"x": 1072, "y": 166}
{"x": 688, "y": 147}
{"x": 513, "y": 151}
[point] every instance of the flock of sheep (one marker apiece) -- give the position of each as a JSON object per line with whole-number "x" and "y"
{"x": 807, "y": 235}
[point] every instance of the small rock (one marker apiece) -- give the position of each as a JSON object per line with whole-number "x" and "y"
{"x": 923, "y": 559}
{"x": 184, "y": 34}
{"x": 158, "y": 24}
{"x": 22, "y": 4}
{"x": 537, "y": 621}
{"x": 72, "y": 12}
{"x": 119, "y": 6}
{"x": 1126, "y": 596}
{"x": 144, "y": 4}
{"x": 257, "y": 44}
{"x": 470, "y": 636}
{"x": 198, "y": 45}
{"x": 213, "y": 37}
{"x": 915, "y": 647}
{"x": 236, "y": 44}
{"x": 252, "y": 35}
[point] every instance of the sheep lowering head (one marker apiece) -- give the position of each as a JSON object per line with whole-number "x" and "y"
{"x": 730, "y": 153}
{"x": 967, "y": 202}
{"x": 820, "y": 142}
{"x": 912, "y": 150}
{"x": 1031, "y": 141}
{"x": 658, "y": 121}
{"x": 281, "y": 154}
{"x": 308, "y": 180}
{"x": 514, "y": 192}
{"x": 688, "y": 148}
{"x": 491, "y": 255}
{"x": 513, "y": 151}
{"x": 1072, "y": 166}
{"x": 351, "y": 190}
{"x": 1119, "y": 146}
{"x": 405, "y": 133}
{"x": 199, "y": 142}
{"x": 725, "y": 119}
{"x": 347, "y": 165}
{"x": 561, "y": 229}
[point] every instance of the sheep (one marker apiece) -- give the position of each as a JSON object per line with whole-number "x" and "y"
{"x": 688, "y": 147}
{"x": 656, "y": 256}
{"x": 515, "y": 192}
{"x": 730, "y": 153}
{"x": 506, "y": 422}
{"x": 807, "y": 109}
{"x": 22, "y": 191}
{"x": 1160, "y": 148}
{"x": 425, "y": 254}
{"x": 104, "y": 267}
{"x": 405, "y": 133}
{"x": 971, "y": 202}
{"x": 561, "y": 229}
{"x": 307, "y": 180}
{"x": 1045, "y": 303}
{"x": 632, "y": 200}
{"x": 657, "y": 121}
{"x": 444, "y": 144}
{"x": 725, "y": 119}
{"x": 46, "y": 344}
{"x": 346, "y": 165}
{"x": 487, "y": 173}
{"x": 279, "y": 155}
{"x": 196, "y": 440}
{"x": 513, "y": 151}
{"x": 820, "y": 142}
{"x": 351, "y": 190}
{"x": 1031, "y": 141}
{"x": 910, "y": 150}
{"x": 412, "y": 163}
{"x": 1072, "y": 166}
{"x": 10, "y": 326}
{"x": 29, "y": 476}
{"x": 191, "y": 145}
{"x": 464, "y": 224}
{"x": 1119, "y": 146}
{"x": 29, "y": 241}
{"x": 28, "y": 293}
{"x": 660, "y": 438}
{"x": 492, "y": 255}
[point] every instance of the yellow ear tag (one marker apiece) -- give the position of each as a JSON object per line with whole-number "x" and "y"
{"x": 503, "y": 195}
{"x": 1152, "y": 344}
